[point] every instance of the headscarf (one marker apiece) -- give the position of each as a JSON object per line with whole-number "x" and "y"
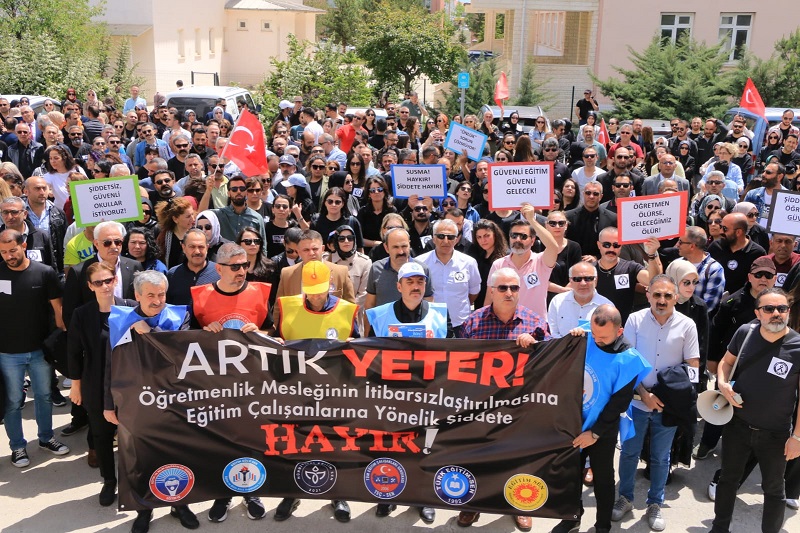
{"x": 678, "y": 270}
{"x": 708, "y": 198}
{"x": 337, "y": 247}
{"x": 743, "y": 207}
{"x": 209, "y": 215}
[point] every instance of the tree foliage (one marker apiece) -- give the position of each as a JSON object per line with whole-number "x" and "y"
{"x": 482, "y": 78}
{"x": 777, "y": 78}
{"x": 476, "y": 22}
{"x": 685, "y": 79}
{"x": 401, "y": 44}
{"x": 318, "y": 73}
{"x": 531, "y": 90}
{"x": 342, "y": 23}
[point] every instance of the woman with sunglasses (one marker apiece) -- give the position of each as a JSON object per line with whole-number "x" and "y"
{"x": 503, "y": 156}
{"x": 488, "y": 128}
{"x": 334, "y": 213}
{"x": 539, "y": 131}
{"x": 303, "y": 207}
{"x": 442, "y": 124}
{"x": 772, "y": 144}
{"x": 710, "y": 204}
{"x": 714, "y": 224}
{"x": 685, "y": 276}
{"x": 225, "y": 128}
{"x": 430, "y": 125}
{"x": 256, "y": 186}
{"x": 208, "y": 222}
{"x": 757, "y": 233}
{"x": 372, "y": 214}
{"x": 512, "y": 125}
{"x": 358, "y": 264}
{"x": 175, "y": 218}
{"x": 489, "y": 245}
{"x": 261, "y": 267}
{"x": 356, "y": 169}
{"x": 742, "y": 157}
{"x": 276, "y": 227}
{"x": 140, "y": 245}
{"x": 569, "y": 253}
{"x": 687, "y": 162}
{"x": 331, "y": 167}
{"x": 13, "y": 178}
{"x": 317, "y": 179}
{"x": 509, "y": 143}
{"x": 369, "y": 122}
{"x": 463, "y": 194}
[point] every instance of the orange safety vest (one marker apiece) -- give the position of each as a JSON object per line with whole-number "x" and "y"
{"x": 250, "y": 304}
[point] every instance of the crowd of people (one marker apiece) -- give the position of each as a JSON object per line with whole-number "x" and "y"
{"x": 319, "y": 247}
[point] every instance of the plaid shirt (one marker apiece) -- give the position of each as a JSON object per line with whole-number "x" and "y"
{"x": 712, "y": 282}
{"x": 484, "y": 324}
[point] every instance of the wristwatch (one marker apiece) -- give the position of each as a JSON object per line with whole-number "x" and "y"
{"x": 595, "y": 436}
{"x": 795, "y": 437}
{"x": 651, "y": 257}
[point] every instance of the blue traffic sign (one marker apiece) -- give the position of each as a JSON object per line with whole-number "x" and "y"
{"x": 463, "y": 80}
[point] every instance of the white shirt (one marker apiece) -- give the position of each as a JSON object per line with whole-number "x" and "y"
{"x": 581, "y": 178}
{"x": 453, "y": 283}
{"x": 315, "y": 128}
{"x": 564, "y": 313}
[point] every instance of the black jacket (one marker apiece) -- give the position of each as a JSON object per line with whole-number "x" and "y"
{"x": 678, "y": 394}
{"x": 40, "y": 247}
{"x": 77, "y": 292}
{"x": 734, "y": 310}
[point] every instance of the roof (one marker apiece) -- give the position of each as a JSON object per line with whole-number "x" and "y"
{"x": 271, "y": 5}
{"x": 133, "y": 30}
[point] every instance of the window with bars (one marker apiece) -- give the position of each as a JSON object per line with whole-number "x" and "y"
{"x": 734, "y": 33}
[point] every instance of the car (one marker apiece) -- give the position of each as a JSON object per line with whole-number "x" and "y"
{"x": 37, "y": 102}
{"x": 660, "y": 127}
{"x": 527, "y": 115}
{"x": 201, "y": 99}
{"x": 480, "y": 55}
{"x": 379, "y": 113}
{"x": 758, "y": 125}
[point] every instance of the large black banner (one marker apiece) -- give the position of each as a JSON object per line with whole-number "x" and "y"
{"x": 468, "y": 425}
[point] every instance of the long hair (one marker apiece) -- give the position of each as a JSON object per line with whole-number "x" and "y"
{"x": 500, "y": 243}
{"x": 153, "y": 251}
{"x": 264, "y": 267}
{"x": 360, "y": 178}
{"x": 339, "y": 193}
{"x": 66, "y": 156}
{"x": 380, "y": 182}
{"x": 523, "y": 151}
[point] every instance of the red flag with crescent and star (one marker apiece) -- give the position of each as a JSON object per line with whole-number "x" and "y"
{"x": 246, "y": 146}
{"x": 752, "y": 101}
{"x": 602, "y": 137}
{"x": 501, "y": 93}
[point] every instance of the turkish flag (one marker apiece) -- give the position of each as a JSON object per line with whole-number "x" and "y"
{"x": 751, "y": 100}
{"x": 246, "y": 146}
{"x": 501, "y": 92}
{"x": 602, "y": 137}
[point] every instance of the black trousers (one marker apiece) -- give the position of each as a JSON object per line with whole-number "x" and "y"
{"x": 739, "y": 441}
{"x": 601, "y": 458}
{"x": 103, "y": 443}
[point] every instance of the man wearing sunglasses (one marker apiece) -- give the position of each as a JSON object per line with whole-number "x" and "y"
{"x": 735, "y": 251}
{"x": 568, "y": 309}
{"x": 236, "y": 215}
{"x": 711, "y": 285}
{"x": 39, "y": 247}
{"x": 761, "y": 197}
{"x": 765, "y": 423}
{"x": 181, "y": 145}
{"x": 587, "y": 220}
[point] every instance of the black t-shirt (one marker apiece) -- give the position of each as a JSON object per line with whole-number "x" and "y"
{"x": 275, "y": 237}
{"x": 325, "y": 226}
{"x": 619, "y": 285}
{"x": 25, "y": 310}
{"x": 769, "y": 383}
{"x": 736, "y": 265}
{"x": 584, "y": 106}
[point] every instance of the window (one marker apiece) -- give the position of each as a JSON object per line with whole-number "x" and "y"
{"x": 734, "y": 33}
{"x": 675, "y": 25}
{"x": 266, "y": 25}
{"x": 181, "y": 45}
{"x": 197, "y": 44}
{"x": 241, "y": 25}
{"x": 212, "y": 42}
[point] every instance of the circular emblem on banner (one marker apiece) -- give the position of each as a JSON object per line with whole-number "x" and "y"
{"x": 315, "y": 477}
{"x": 526, "y": 492}
{"x": 732, "y": 264}
{"x": 385, "y": 478}
{"x": 172, "y": 482}
{"x": 454, "y": 485}
{"x": 590, "y": 391}
{"x": 244, "y": 475}
{"x": 331, "y": 334}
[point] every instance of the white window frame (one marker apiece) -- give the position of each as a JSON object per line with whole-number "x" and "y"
{"x": 266, "y": 25}
{"x": 732, "y": 29}
{"x": 677, "y": 25}
{"x": 241, "y": 25}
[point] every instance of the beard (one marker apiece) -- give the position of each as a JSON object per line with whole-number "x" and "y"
{"x": 238, "y": 201}
{"x": 775, "y": 325}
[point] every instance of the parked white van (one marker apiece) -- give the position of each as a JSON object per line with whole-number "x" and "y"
{"x": 202, "y": 99}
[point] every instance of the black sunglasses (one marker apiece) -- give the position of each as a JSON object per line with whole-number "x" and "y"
{"x": 236, "y": 267}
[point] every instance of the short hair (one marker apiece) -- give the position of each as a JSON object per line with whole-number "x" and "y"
{"x": 606, "y": 231}
{"x": 606, "y": 313}
{"x": 550, "y": 143}
{"x": 444, "y": 223}
{"x": 660, "y": 278}
{"x": 194, "y": 231}
{"x": 503, "y": 272}
{"x": 194, "y": 156}
{"x": 10, "y": 235}
{"x": 13, "y": 200}
{"x": 310, "y": 235}
{"x": 521, "y": 222}
{"x": 95, "y": 267}
{"x": 237, "y": 177}
{"x": 228, "y": 251}
{"x": 697, "y": 236}
{"x": 148, "y": 276}
{"x": 582, "y": 263}
{"x": 715, "y": 174}
{"x": 781, "y": 167}
{"x": 98, "y": 229}
{"x": 293, "y": 235}
{"x": 772, "y": 290}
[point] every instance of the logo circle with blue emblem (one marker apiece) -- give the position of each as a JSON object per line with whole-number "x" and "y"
{"x": 315, "y": 477}
{"x": 591, "y": 390}
{"x": 454, "y": 485}
{"x": 244, "y": 475}
{"x": 385, "y": 478}
{"x": 172, "y": 482}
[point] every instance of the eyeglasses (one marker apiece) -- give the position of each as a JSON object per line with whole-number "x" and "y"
{"x": 465, "y": 189}
{"x": 216, "y": 165}
{"x": 591, "y": 193}
{"x": 251, "y": 242}
{"x": 254, "y": 191}
{"x": 772, "y": 137}
{"x": 317, "y": 151}
{"x": 752, "y": 215}
{"x": 673, "y": 124}
{"x": 100, "y": 282}
{"x": 99, "y": 143}
{"x": 289, "y": 251}
{"x": 331, "y": 201}
{"x": 11, "y": 212}
{"x": 146, "y": 212}
{"x": 743, "y": 145}
{"x": 587, "y": 279}
{"x": 668, "y": 163}
{"x": 420, "y": 208}
{"x": 162, "y": 182}
{"x": 206, "y": 227}
{"x": 508, "y": 142}
{"x": 665, "y": 295}
{"x": 114, "y": 142}
{"x": 782, "y": 309}
{"x": 443, "y": 236}
{"x": 346, "y": 238}
{"x": 108, "y": 242}
{"x": 551, "y": 149}
{"x": 717, "y": 222}
{"x": 520, "y": 236}
{"x": 714, "y": 182}
{"x": 769, "y": 172}
{"x": 622, "y": 185}
{"x": 763, "y": 274}
{"x": 184, "y": 145}
{"x": 554, "y": 223}
{"x": 622, "y": 157}
{"x": 689, "y": 282}
{"x": 76, "y": 134}
{"x": 610, "y": 244}
{"x": 236, "y": 267}
{"x": 506, "y": 288}
{"x": 348, "y": 182}
{"x": 680, "y": 242}
{"x": 540, "y": 121}
{"x": 356, "y": 163}
{"x": 684, "y": 147}
{"x": 241, "y": 188}
{"x": 318, "y": 167}
{"x": 589, "y": 156}
{"x": 448, "y": 203}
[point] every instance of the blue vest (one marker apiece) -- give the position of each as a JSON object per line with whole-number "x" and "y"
{"x": 122, "y": 318}
{"x": 435, "y": 321}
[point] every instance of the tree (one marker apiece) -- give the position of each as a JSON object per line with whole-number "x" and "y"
{"x": 776, "y": 78}
{"x": 531, "y": 90}
{"x": 483, "y": 76}
{"x": 685, "y": 79}
{"x": 403, "y": 44}
{"x": 342, "y": 23}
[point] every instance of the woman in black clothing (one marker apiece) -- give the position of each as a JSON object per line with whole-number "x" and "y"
{"x": 743, "y": 158}
{"x": 345, "y": 182}
{"x": 371, "y": 215}
{"x": 277, "y": 226}
{"x": 773, "y": 143}
{"x": 570, "y": 198}
{"x": 334, "y": 213}
{"x": 488, "y": 245}
{"x": 569, "y": 253}
{"x": 369, "y": 123}
{"x": 688, "y": 162}
{"x": 261, "y": 267}
{"x": 357, "y": 170}
{"x": 303, "y": 206}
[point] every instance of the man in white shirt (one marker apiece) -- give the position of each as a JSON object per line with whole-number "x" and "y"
{"x": 568, "y": 309}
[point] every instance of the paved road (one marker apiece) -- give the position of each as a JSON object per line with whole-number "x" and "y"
{"x": 59, "y": 494}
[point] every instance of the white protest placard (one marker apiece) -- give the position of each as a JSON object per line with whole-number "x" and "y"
{"x": 419, "y": 180}
{"x": 96, "y": 201}
{"x": 462, "y": 139}
{"x": 511, "y": 184}
{"x": 662, "y": 216}
{"x": 784, "y": 213}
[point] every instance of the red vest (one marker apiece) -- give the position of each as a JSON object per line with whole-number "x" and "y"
{"x": 251, "y": 304}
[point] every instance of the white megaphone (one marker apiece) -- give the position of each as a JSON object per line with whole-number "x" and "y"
{"x": 714, "y": 408}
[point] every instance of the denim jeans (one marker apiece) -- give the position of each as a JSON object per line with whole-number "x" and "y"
{"x": 660, "y": 445}
{"x": 13, "y": 366}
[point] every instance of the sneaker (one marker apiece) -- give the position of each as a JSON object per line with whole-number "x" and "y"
{"x": 792, "y": 504}
{"x": 567, "y": 526}
{"x": 255, "y": 509}
{"x": 219, "y": 511}
{"x": 654, "y": 518}
{"x": 19, "y": 458}
{"x": 58, "y": 400}
{"x": 701, "y": 451}
{"x": 622, "y": 507}
{"x": 54, "y": 446}
{"x": 712, "y": 491}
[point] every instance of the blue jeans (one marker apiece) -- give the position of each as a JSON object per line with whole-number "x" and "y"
{"x": 660, "y": 445}
{"x": 13, "y": 366}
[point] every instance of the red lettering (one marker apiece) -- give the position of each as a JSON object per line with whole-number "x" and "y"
{"x": 404, "y": 437}
{"x": 317, "y": 437}
{"x": 490, "y": 372}
{"x": 522, "y": 358}
{"x": 350, "y": 441}
{"x": 361, "y": 365}
{"x": 378, "y": 446}
{"x": 272, "y": 439}
{"x": 391, "y": 367}
{"x": 429, "y": 360}
{"x": 460, "y": 364}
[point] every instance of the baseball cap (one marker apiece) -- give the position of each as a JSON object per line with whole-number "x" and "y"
{"x": 297, "y": 180}
{"x": 411, "y": 269}
{"x": 298, "y": 98}
{"x": 316, "y": 278}
{"x": 285, "y": 104}
{"x": 763, "y": 264}
{"x": 288, "y": 159}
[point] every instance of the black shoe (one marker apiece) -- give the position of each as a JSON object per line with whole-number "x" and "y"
{"x": 58, "y": 400}
{"x": 186, "y": 516}
{"x": 286, "y": 508}
{"x": 567, "y": 526}
{"x": 341, "y": 510}
{"x": 219, "y": 511}
{"x": 108, "y": 493}
{"x": 384, "y": 509}
{"x": 71, "y": 429}
{"x": 428, "y": 514}
{"x": 142, "y": 522}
